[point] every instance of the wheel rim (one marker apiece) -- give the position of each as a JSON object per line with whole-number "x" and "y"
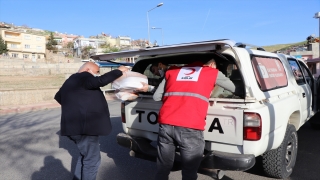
{"x": 290, "y": 151}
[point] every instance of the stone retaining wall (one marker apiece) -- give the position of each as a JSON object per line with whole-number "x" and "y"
{"x": 25, "y": 97}
{"x": 35, "y": 96}
{"x": 32, "y": 96}
{"x": 37, "y": 69}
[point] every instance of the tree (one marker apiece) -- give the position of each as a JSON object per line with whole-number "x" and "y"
{"x": 68, "y": 48}
{"x": 108, "y": 48}
{"x": 3, "y": 46}
{"x": 70, "y": 45}
{"x": 51, "y": 44}
{"x": 85, "y": 52}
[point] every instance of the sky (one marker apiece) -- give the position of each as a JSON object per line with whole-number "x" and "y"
{"x": 257, "y": 22}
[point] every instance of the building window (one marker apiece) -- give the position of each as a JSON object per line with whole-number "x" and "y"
{"x": 38, "y": 38}
{"x": 39, "y": 47}
{"x": 27, "y": 37}
{"x": 13, "y": 46}
{"x": 38, "y": 56}
{"x": 14, "y": 55}
{"x": 27, "y": 46}
{"x": 26, "y": 56}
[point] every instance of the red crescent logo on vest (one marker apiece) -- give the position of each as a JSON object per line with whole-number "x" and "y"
{"x": 192, "y": 71}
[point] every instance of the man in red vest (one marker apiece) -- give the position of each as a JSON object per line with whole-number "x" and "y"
{"x": 185, "y": 93}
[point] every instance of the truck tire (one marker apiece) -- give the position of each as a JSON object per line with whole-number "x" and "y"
{"x": 279, "y": 163}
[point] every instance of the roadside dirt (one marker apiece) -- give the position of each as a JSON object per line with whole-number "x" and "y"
{"x": 30, "y": 82}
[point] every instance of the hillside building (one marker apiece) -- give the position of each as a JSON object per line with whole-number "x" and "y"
{"x": 64, "y": 39}
{"x": 311, "y": 57}
{"x": 80, "y": 43}
{"x": 22, "y": 45}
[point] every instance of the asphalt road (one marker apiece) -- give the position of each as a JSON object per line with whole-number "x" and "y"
{"x": 31, "y": 149}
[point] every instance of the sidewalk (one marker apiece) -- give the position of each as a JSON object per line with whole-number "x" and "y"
{"x": 26, "y": 108}
{"x": 4, "y": 110}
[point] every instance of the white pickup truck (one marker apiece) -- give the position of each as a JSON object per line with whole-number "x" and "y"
{"x": 275, "y": 95}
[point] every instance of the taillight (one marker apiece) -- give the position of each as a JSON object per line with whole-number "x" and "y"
{"x": 123, "y": 115}
{"x": 252, "y": 126}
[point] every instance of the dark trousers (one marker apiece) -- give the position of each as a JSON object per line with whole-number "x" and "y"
{"x": 191, "y": 144}
{"x": 89, "y": 160}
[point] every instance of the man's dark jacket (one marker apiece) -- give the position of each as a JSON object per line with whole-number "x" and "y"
{"x": 84, "y": 108}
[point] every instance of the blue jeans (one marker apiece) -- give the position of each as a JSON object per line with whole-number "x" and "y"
{"x": 191, "y": 145}
{"x": 89, "y": 160}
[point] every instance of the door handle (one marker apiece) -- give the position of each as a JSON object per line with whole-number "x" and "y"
{"x": 304, "y": 95}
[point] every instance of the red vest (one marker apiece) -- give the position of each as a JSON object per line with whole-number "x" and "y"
{"x": 186, "y": 96}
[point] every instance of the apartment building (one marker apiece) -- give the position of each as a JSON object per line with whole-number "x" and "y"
{"x": 139, "y": 43}
{"x": 80, "y": 43}
{"x": 24, "y": 45}
{"x": 123, "y": 41}
{"x": 111, "y": 41}
{"x": 58, "y": 39}
{"x": 64, "y": 39}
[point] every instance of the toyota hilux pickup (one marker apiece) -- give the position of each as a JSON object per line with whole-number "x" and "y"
{"x": 275, "y": 94}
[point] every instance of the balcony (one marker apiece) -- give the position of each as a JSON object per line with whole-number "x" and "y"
{"x": 12, "y": 38}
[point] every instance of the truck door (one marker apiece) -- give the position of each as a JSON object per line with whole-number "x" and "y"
{"x": 311, "y": 82}
{"x": 304, "y": 91}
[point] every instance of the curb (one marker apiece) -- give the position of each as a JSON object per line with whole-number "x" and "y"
{"x": 26, "y": 108}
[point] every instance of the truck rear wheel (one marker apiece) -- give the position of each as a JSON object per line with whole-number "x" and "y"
{"x": 279, "y": 163}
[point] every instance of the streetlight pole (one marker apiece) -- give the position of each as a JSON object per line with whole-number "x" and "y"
{"x": 317, "y": 16}
{"x": 161, "y": 33}
{"x": 148, "y": 19}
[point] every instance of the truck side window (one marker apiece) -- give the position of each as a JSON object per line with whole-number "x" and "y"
{"x": 269, "y": 72}
{"x": 297, "y": 73}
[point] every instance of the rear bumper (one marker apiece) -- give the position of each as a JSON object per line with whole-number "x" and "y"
{"x": 228, "y": 161}
{"x": 141, "y": 148}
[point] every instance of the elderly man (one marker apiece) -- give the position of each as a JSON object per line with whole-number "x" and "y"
{"x": 85, "y": 115}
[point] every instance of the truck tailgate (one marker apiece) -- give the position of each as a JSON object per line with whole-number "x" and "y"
{"x": 224, "y": 125}
{"x": 143, "y": 115}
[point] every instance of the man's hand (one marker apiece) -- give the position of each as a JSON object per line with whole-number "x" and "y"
{"x": 144, "y": 87}
{"x": 123, "y": 68}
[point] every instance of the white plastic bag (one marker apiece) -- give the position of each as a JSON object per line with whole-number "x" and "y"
{"x": 127, "y": 84}
{"x": 126, "y": 94}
